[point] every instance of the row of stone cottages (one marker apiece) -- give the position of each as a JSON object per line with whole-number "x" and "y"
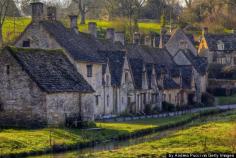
{"x": 54, "y": 73}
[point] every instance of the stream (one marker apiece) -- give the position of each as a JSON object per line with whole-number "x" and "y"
{"x": 107, "y": 146}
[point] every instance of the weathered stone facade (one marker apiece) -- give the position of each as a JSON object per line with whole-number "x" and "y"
{"x": 25, "y": 103}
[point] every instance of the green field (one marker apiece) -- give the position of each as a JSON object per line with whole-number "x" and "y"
{"x": 15, "y": 141}
{"x": 227, "y": 100}
{"x": 212, "y": 134}
{"x": 13, "y": 27}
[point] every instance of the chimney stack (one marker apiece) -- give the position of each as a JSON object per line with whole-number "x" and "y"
{"x": 148, "y": 41}
{"x": 74, "y": 22}
{"x": 92, "y": 27}
{"x": 162, "y": 34}
{"x": 110, "y": 34}
{"x": 136, "y": 38}
{"x": 52, "y": 13}
{"x": 120, "y": 37}
{"x": 37, "y": 11}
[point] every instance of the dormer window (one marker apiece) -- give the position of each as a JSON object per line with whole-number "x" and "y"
{"x": 220, "y": 45}
{"x": 126, "y": 77}
{"x": 183, "y": 44}
{"x": 26, "y": 43}
{"x": 89, "y": 70}
{"x": 107, "y": 79}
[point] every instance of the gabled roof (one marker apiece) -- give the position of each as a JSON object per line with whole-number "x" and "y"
{"x": 116, "y": 63}
{"x": 137, "y": 71}
{"x": 50, "y": 70}
{"x": 199, "y": 63}
{"x": 229, "y": 41}
{"x": 173, "y": 45}
{"x": 169, "y": 83}
{"x": 80, "y": 46}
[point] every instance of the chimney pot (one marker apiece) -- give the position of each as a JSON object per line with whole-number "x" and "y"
{"x": 37, "y": 11}
{"x": 120, "y": 37}
{"x": 110, "y": 34}
{"x": 74, "y": 22}
{"x": 136, "y": 38}
{"x": 52, "y": 13}
{"x": 92, "y": 27}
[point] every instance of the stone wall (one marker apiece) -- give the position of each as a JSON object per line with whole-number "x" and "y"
{"x": 23, "y": 103}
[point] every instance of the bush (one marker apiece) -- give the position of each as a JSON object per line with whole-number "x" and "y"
{"x": 168, "y": 107}
{"x": 148, "y": 109}
{"x": 208, "y": 99}
{"x": 220, "y": 91}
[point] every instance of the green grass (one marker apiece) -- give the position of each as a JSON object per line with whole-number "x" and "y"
{"x": 15, "y": 141}
{"x": 214, "y": 134}
{"x": 227, "y": 100}
{"x": 13, "y": 27}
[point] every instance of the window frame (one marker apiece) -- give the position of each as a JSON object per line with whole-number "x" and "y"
{"x": 89, "y": 70}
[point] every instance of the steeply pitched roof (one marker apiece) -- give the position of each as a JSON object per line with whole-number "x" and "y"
{"x": 199, "y": 63}
{"x": 116, "y": 62}
{"x": 173, "y": 45}
{"x": 229, "y": 41}
{"x": 137, "y": 71}
{"x": 80, "y": 46}
{"x": 169, "y": 83}
{"x": 50, "y": 70}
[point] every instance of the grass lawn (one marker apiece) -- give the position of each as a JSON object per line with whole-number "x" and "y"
{"x": 13, "y": 141}
{"x": 227, "y": 100}
{"x": 13, "y": 27}
{"x": 211, "y": 134}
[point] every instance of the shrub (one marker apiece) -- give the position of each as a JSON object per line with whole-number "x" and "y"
{"x": 148, "y": 109}
{"x": 220, "y": 91}
{"x": 208, "y": 99}
{"x": 168, "y": 107}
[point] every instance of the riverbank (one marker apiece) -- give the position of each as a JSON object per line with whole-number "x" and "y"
{"x": 34, "y": 142}
{"x": 214, "y": 134}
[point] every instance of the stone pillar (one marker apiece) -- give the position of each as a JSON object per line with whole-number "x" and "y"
{"x": 92, "y": 27}
{"x": 52, "y": 13}
{"x": 74, "y": 22}
{"x": 110, "y": 34}
{"x": 120, "y": 37}
{"x": 137, "y": 38}
{"x": 37, "y": 11}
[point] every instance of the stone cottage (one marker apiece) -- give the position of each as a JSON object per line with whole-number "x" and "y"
{"x": 218, "y": 48}
{"x": 126, "y": 78}
{"x": 40, "y": 87}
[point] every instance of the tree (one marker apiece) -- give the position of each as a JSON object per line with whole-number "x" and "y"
{"x": 4, "y": 6}
{"x": 84, "y": 6}
{"x": 163, "y": 21}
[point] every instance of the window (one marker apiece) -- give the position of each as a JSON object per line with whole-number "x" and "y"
{"x": 89, "y": 70}
{"x": 97, "y": 99}
{"x": 8, "y": 69}
{"x": 108, "y": 101}
{"x": 26, "y": 43}
{"x": 183, "y": 44}
{"x": 1, "y": 107}
{"x": 170, "y": 97}
{"x": 126, "y": 77}
{"x": 107, "y": 78}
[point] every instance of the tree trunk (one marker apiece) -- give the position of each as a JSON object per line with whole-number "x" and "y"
{"x": 1, "y": 36}
{"x": 83, "y": 17}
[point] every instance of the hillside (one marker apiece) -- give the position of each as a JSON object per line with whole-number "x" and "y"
{"x": 13, "y": 27}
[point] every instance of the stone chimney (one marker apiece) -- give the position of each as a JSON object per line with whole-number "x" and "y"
{"x": 110, "y": 34}
{"x": 52, "y": 13}
{"x": 73, "y": 22}
{"x": 148, "y": 41}
{"x": 162, "y": 34}
{"x": 92, "y": 27}
{"x": 120, "y": 37}
{"x": 37, "y": 11}
{"x": 137, "y": 38}
{"x": 205, "y": 31}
